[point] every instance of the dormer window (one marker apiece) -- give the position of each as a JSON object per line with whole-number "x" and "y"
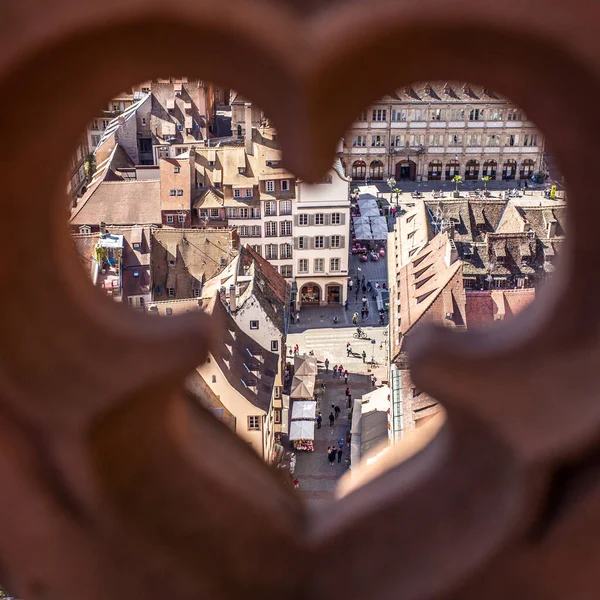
{"x": 85, "y": 230}
{"x": 500, "y": 259}
{"x": 242, "y": 170}
{"x": 211, "y": 163}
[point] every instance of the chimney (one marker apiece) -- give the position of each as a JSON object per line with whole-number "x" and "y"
{"x": 451, "y": 253}
{"x": 223, "y": 295}
{"x": 232, "y": 298}
{"x": 248, "y": 126}
{"x": 102, "y": 228}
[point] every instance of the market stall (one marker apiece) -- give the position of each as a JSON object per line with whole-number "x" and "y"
{"x": 303, "y": 387}
{"x": 362, "y": 229}
{"x": 379, "y": 228}
{"x": 305, "y": 365}
{"x": 302, "y": 434}
{"x": 304, "y": 409}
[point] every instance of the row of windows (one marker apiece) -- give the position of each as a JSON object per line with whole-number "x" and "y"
{"x": 284, "y": 186}
{"x": 379, "y": 115}
{"x": 320, "y": 219}
{"x": 439, "y": 139}
{"x": 319, "y": 265}
{"x": 171, "y": 219}
{"x": 285, "y": 208}
{"x": 319, "y": 241}
{"x": 243, "y": 213}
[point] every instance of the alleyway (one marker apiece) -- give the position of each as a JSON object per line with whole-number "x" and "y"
{"x": 317, "y": 477}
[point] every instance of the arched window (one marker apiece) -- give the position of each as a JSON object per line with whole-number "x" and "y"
{"x": 509, "y": 170}
{"x": 452, "y": 169}
{"x": 239, "y": 130}
{"x": 435, "y": 170}
{"x": 359, "y": 169}
{"x": 472, "y": 170}
{"x": 527, "y": 169}
{"x": 489, "y": 168}
{"x": 376, "y": 170}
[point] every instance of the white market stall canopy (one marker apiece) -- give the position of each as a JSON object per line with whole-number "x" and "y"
{"x": 303, "y": 387}
{"x": 302, "y": 430}
{"x": 305, "y": 365}
{"x": 304, "y": 409}
{"x": 369, "y": 211}
{"x": 367, "y": 191}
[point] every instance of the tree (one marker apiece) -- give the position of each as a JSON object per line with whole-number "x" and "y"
{"x": 397, "y": 191}
{"x": 89, "y": 166}
{"x": 457, "y": 179}
{"x": 485, "y": 180}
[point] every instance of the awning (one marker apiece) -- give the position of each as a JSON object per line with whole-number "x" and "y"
{"x": 304, "y": 409}
{"x": 302, "y": 387}
{"x": 305, "y": 365}
{"x": 369, "y": 212}
{"x": 302, "y": 430}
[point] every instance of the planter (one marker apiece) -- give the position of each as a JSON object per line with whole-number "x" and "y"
{"x": 456, "y": 194}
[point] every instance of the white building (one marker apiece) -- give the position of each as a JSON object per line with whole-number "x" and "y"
{"x": 321, "y": 233}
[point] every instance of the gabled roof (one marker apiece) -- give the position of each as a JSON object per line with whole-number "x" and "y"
{"x": 445, "y": 91}
{"x": 249, "y": 369}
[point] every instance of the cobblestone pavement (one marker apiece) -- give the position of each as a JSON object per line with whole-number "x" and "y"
{"x": 318, "y": 478}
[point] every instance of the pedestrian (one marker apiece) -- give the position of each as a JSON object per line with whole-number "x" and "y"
{"x": 350, "y": 284}
{"x": 349, "y": 401}
{"x": 298, "y": 318}
{"x": 331, "y": 419}
{"x": 364, "y": 300}
{"x": 339, "y": 455}
{"x": 363, "y": 278}
{"x": 376, "y": 285}
{"x": 354, "y": 318}
{"x": 332, "y": 456}
{"x": 297, "y": 482}
{"x": 340, "y": 371}
{"x": 364, "y": 289}
{"x": 349, "y": 435}
{"x": 346, "y": 305}
{"x": 364, "y": 356}
{"x": 296, "y": 349}
{"x": 340, "y": 443}
{"x": 336, "y": 409}
{"x": 334, "y": 371}
{"x": 319, "y": 421}
{"x": 356, "y": 295}
{"x": 347, "y": 391}
{"x": 348, "y": 348}
{"x": 323, "y": 388}
{"x": 326, "y": 365}
{"x": 346, "y": 376}
{"x": 372, "y": 381}
{"x": 366, "y": 312}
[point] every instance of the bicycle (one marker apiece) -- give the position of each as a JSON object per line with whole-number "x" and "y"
{"x": 361, "y": 335}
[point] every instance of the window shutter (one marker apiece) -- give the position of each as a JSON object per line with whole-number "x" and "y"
{"x": 327, "y": 241}
{"x": 312, "y": 242}
{"x": 342, "y": 240}
{"x": 311, "y": 219}
{"x": 296, "y": 243}
{"x": 343, "y": 219}
{"x": 327, "y": 219}
{"x": 296, "y": 220}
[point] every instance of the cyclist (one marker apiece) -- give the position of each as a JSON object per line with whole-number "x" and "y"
{"x": 358, "y": 331}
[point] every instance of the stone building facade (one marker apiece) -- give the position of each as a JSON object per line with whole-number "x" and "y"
{"x": 434, "y": 131}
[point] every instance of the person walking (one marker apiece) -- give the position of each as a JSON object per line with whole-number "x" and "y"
{"x": 334, "y": 371}
{"x": 336, "y": 409}
{"x": 366, "y": 312}
{"x": 346, "y": 305}
{"x": 330, "y": 454}
{"x": 364, "y": 300}
{"x": 319, "y": 421}
{"x": 326, "y": 365}
{"x": 348, "y": 348}
{"x": 347, "y": 392}
{"x": 297, "y": 483}
{"x": 340, "y": 444}
{"x": 346, "y": 376}
{"x": 339, "y": 455}
{"x": 372, "y": 381}
{"x": 364, "y": 356}
{"x": 354, "y": 318}
{"x": 350, "y": 283}
{"x": 331, "y": 419}
{"x": 340, "y": 371}
{"x": 349, "y": 398}
{"x": 363, "y": 279}
{"x": 323, "y": 388}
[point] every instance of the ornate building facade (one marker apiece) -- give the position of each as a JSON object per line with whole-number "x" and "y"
{"x": 434, "y": 131}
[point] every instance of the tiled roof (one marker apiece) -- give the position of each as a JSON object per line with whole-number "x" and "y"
{"x": 442, "y": 91}
{"x": 269, "y": 287}
{"x": 120, "y": 203}
{"x": 197, "y": 255}
{"x": 249, "y": 369}
{"x": 493, "y": 305}
{"x": 199, "y": 393}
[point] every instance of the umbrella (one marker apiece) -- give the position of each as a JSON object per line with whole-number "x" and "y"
{"x": 302, "y": 430}
{"x": 305, "y": 365}
{"x": 304, "y": 409}
{"x": 302, "y": 387}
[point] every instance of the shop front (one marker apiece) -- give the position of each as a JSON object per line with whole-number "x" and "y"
{"x": 310, "y": 295}
{"x": 334, "y": 294}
